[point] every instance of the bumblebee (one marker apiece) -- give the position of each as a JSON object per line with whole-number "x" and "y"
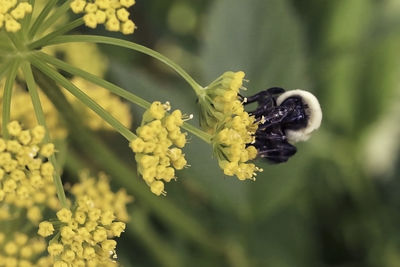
{"x": 285, "y": 117}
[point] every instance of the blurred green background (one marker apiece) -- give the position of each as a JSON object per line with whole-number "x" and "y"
{"x": 336, "y": 202}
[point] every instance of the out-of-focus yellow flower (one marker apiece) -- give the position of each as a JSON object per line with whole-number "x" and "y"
{"x": 22, "y": 109}
{"x": 26, "y": 175}
{"x": 86, "y": 56}
{"x": 84, "y": 235}
{"x": 156, "y": 157}
{"x": 11, "y": 11}
{"x": 100, "y": 192}
{"x": 233, "y": 129}
{"x": 112, "y": 13}
{"x": 111, "y": 103}
{"x": 19, "y": 249}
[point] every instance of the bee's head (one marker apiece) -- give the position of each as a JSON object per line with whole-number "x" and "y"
{"x": 305, "y": 116}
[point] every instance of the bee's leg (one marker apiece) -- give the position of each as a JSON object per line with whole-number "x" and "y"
{"x": 260, "y": 97}
{"x": 280, "y": 153}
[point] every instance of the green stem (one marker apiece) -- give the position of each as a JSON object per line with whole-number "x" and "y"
{"x": 15, "y": 41}
{"x": 7, "y": 97}
{"x": 94, "y": 79}
{"x": 114, "y": 89}
{"x": 4, "y": 68}
{"x": 124, "y": 176}
{"x": 85, "y": 99}
{"x": 31, "y": 84}
{"x": 130, "y": 45}
{"x": 57, "y": 14}
{"x": 64, "y": 29}
{"x": 43, "y": 14}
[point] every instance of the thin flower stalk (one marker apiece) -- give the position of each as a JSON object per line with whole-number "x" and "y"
{"x": 31, "y": 84}
{"x": 84, "y": 98}
{"x": 115, "y": 89}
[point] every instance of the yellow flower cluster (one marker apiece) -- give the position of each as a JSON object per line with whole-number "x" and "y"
{"x": 11, "y": 11}
{"x": 83, "y": 236}
{"x": 156, "y": 158}
{"x": 111, "y": 103}
{"x": 26, "y": 175}
{"x": 220, "y": 100}
{"x": 100, "y": 192}
{"x": 112, "y": 13}
{"x": 233, "y": 129}
{"x": 18, "y": 249}
{"x": 231, "y": 146}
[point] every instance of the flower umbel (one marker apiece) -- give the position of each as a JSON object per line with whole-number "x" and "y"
{"x": 100, "y": 192}
{"x": 11, "y": 11}
{"x": 83, "y": 235}
{"x": 232, "y": 147}
{"x": 219, "y": 100}
{"x": 112, "y": 13}
{"x": 158, "y": 146}
{"x": 26, "y": 175}
{"x": 223, "y": 114}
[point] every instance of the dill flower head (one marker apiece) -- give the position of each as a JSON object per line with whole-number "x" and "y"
{"x": 158, "y": 146}
{"x": 12, "y": 11}
{"x": 100, "y": 192}
{"x": 112, "y": 13}
{"x": 220, "y": 101}
{"x": 232, "y": 146}
{"x": 26, "y": 175}
{"x": 223, "y": 115}
{"x": 19, "y": 249}
{"x": 82, "y": 236}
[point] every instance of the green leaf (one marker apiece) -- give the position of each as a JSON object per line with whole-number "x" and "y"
{"x": 262, "y": 38}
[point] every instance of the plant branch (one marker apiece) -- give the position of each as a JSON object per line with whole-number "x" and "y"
{"x": 130, "y": 45}
{"x": 31, "y": 84}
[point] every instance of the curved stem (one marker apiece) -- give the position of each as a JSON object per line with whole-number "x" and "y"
{"x": 130, "y": 45}
{"x": 66, "y": 28}
{"x": 7, "y": 97}
{"x": 61, "y": 80}
{"x": 114, "y": 89}
{"x": 31, "y": 84}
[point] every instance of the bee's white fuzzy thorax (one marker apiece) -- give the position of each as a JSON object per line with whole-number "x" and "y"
{"x": 313, "y": 112}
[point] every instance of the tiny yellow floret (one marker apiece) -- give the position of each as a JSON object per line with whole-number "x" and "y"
{"x": 113, "y": 14}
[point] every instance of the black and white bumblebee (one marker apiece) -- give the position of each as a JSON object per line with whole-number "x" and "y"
{"x": 285, "y": 117}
